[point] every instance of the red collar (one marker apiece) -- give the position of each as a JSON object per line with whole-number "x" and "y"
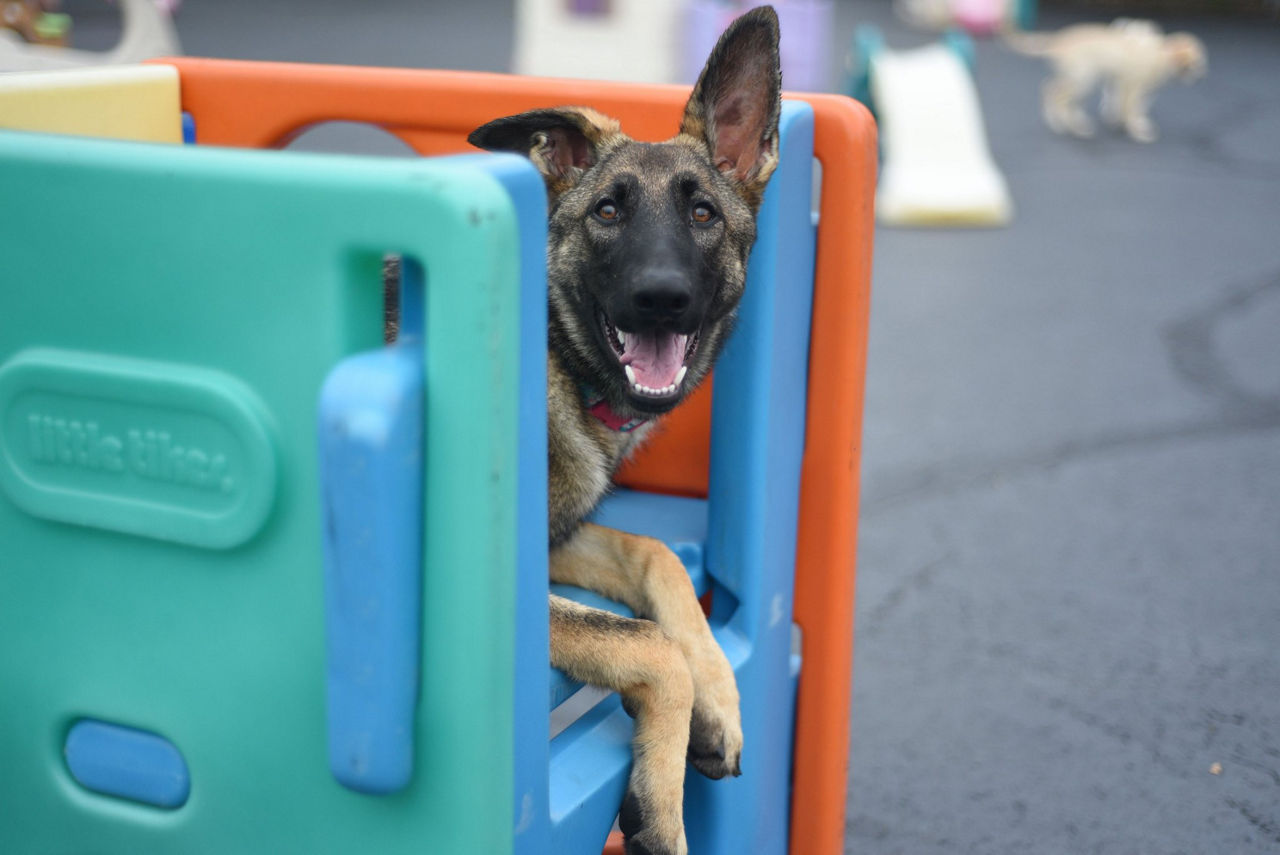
{"x": 599, "y": 407}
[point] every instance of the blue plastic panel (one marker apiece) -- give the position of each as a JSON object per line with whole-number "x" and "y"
{"x": 532, "y": 622}
{"x": 371, "y": 440}
{"x": 757, "y": 442}
{"x": 590, "y": 762}
{"x": 127, "y": 763}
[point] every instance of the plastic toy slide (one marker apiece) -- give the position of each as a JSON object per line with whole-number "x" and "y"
{"x": 936, "y": 166}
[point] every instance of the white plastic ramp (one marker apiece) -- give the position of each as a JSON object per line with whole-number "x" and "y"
{"x": 936, "y": 166}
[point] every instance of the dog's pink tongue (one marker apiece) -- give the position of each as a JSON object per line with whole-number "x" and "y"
{"x": 655, "y": 357}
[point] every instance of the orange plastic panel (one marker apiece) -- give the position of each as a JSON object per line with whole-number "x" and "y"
{"x": 267, "y": 104}
{"x": 845, "y": 143}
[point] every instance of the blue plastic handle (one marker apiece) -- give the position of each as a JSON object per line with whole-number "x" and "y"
{"x": 371, "y": 440}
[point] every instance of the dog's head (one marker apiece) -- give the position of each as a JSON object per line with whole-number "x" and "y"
{"x": 1187, "y": 55}
{"x": 648, "y": 242}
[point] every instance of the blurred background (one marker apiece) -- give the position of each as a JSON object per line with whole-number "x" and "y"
{"x": 1068, "y": 621}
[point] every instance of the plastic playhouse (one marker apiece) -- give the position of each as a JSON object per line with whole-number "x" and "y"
{"x": 271, "y": 585}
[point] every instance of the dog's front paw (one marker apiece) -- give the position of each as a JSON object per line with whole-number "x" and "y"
{"x": 715, "y": 743}
{"x": 715, "y": 728}
{"x": 644, "y": 832}
{"x": 1142, "y": 129}
{"x": 1080, "y": 125}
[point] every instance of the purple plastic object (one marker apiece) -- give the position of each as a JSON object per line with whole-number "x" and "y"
{"x": 806, "y": 35}
{"x": 590, "y": 7}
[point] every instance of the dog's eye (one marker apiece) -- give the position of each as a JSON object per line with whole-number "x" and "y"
{"x": 607, "y": 210}
{"x": 703, "y": 213}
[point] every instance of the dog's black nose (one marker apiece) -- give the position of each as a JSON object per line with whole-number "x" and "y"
{"x": 661, "y": 297}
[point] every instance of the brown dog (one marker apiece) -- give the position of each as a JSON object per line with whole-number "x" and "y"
{"x": 646, "y": 262}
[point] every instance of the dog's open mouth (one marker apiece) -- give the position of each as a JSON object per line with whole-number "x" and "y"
{"x": 655, "y": 361}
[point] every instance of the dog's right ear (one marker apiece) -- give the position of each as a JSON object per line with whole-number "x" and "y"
{"x": 563, "y": 143}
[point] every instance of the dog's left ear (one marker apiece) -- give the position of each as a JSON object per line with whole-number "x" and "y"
{"x": 563, "y": 143}
{"x": 736, "y": 101}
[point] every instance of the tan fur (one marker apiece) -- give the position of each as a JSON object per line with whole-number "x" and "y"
{"x": 644, "y": 574}
{"x": 583, "y": 452}
{"x": 1129, "y": 58}
{"x": 637, "y": 660}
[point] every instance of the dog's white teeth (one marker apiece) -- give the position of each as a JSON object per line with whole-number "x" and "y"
{"x": 680, "y": 376}
{"x": 642, "y": 389}
{"x": 621, "y": 337}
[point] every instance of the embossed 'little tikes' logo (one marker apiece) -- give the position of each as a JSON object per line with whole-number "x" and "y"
{"x": 146, "y": 453}
{"x": 157, "y": 449}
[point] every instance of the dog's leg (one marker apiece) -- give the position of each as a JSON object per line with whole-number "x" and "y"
{"x": 1062, "y": 96}
{"x": 636, "y": 659}
{"x": 645, "y": 575}
{"x": 1135, "y": 100}
{"x": 1049, "y": 108}
{"x": 1112, "y": 106}
{"x": 1061, "y": 112}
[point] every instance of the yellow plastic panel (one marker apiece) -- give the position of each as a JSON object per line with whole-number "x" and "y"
{"x": 132, "y": 102}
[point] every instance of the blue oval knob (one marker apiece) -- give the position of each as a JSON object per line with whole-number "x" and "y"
{"x": 127, "y": 763}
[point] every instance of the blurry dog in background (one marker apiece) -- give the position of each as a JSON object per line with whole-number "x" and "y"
{"x": 1129, "y": 58}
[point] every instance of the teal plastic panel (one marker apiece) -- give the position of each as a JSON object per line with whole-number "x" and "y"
{"x": 166, "y": 308}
